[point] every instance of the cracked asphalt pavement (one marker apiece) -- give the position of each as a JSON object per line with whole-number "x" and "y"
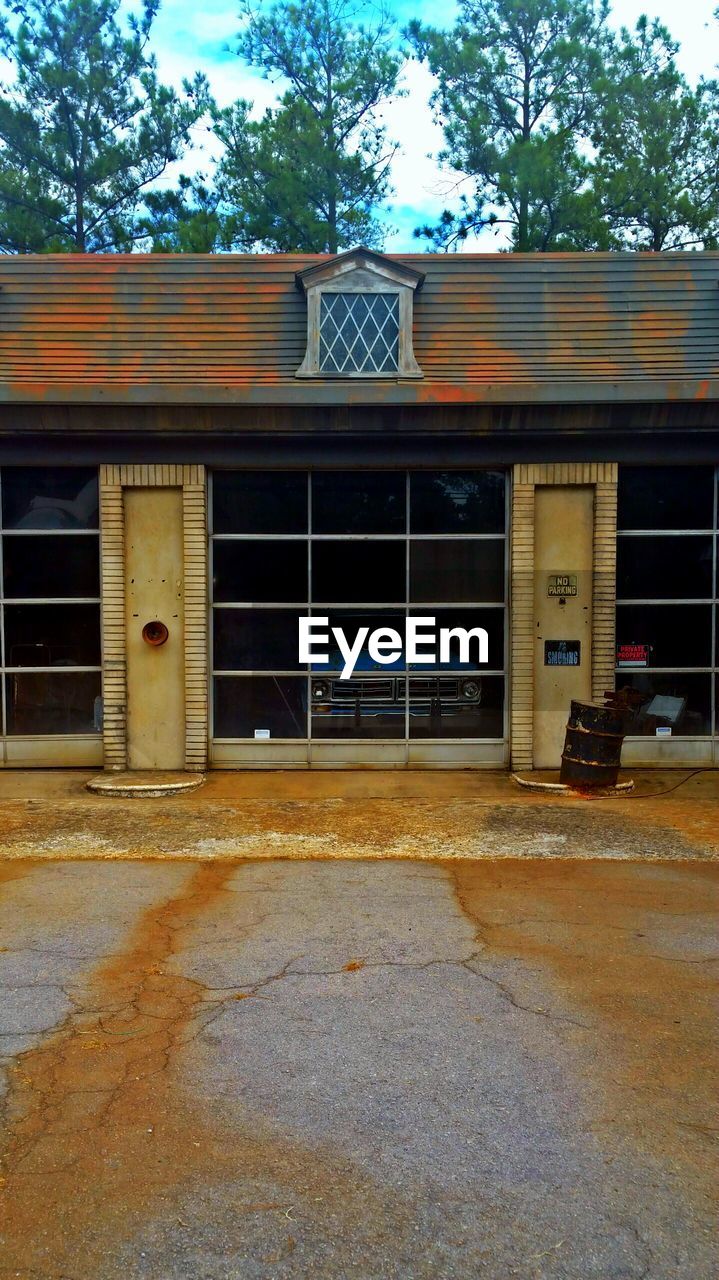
{"x": 285, "y": 1068}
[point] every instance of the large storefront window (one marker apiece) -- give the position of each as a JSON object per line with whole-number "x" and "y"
{"x": 667, "y": 590}
{"x": 365, "y": 549}
{"x": 50, "y": 601}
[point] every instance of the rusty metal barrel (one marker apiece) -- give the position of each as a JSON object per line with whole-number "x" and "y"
{"x": 593, "y": 746}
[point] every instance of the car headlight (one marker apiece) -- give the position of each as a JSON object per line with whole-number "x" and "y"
{"x": 470, "y": 690}
{"x": 320, "y": 689}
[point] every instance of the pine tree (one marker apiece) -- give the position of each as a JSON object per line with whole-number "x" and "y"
{"x": 656, "y": 173}
{"x": 515, "y": 98}
{"x": 86, "y": 127}
{"x": 309, "y": 175}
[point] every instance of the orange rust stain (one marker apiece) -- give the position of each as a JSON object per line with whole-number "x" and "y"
{"x": 695, "y": 818}
{"x": 431, "y": 392}
{"x": 659, "y": 326}
{"x": 577, "y": 343}
{"x": 102, "y": 1137}
{"x": 592, "y": 927}
{"x": 352, "y": 966}
{"x": 655, "y": 335}
{"x": 15, "y": 870}
{"x": 85, "y": 1105}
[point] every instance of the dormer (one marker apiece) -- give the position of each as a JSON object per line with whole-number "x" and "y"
{"x": 359, "y": 317}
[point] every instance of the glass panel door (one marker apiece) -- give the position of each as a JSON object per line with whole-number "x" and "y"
{"x": 367, "y": 551}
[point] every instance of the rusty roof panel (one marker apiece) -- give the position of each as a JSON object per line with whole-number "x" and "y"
{"x": 231, "y": 329}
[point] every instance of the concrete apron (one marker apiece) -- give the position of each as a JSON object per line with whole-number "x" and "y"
{"x": 670, "y": 815}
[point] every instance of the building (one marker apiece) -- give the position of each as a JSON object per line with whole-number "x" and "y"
{"x": 197, "y": 451}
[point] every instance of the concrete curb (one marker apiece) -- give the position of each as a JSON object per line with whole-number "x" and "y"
{"x": 144, "y": 786}
{"x": 561, "y": 788}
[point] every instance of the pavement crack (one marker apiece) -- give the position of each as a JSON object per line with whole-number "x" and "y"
{"x": 381, "y": 964}
{"x": 71, "y": 1087}
{"x": 506, "y": 992}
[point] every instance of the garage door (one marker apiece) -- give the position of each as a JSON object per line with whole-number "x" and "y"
{"x": 363, "y": 550}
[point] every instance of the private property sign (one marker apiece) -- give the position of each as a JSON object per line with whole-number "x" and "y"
{"x": 633, "y": 655}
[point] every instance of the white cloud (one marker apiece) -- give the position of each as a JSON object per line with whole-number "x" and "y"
{"x": 690, "y": 23}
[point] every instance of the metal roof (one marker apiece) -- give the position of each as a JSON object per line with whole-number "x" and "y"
{"x": 231, "y": 329}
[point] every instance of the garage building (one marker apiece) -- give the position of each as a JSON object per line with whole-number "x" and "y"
{"x": 198, "y": 451}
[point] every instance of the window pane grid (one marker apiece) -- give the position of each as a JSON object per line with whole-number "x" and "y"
{"x": 358, "y": 537}
{"x": 29, "y": 600}
{"x": 688, "y": 708}
{"x": 303, "y": 671}
{"x": 319, "y": 607}
{"x": 661, "y": 601}
{"x": 3, "y": 682}
{"x": 664, "y": 533}
{"x": 359, "y": 332}
{"x": 60, "y": 697}
{"x": 81, "y": 668}
{"x": 358, "y": 604}
{"x": 44, "y": 533}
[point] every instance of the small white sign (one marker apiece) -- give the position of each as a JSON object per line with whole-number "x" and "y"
{"x": 663, "y": 731}
{"x": 262, "y": 733}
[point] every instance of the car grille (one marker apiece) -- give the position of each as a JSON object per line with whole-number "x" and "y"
{"x": 366, "y": 690}
{"x": 430, "y": 687}
{"x": 391, "y": 690}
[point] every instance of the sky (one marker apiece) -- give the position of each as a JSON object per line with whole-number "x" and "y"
{"x": 190, "y": 36}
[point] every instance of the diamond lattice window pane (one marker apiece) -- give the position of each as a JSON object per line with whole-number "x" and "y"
{"x": 359, "y": 333}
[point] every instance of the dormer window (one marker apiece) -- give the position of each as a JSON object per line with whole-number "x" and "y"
{"x": 359, "y": 333}
{"x": 359, "y": 318}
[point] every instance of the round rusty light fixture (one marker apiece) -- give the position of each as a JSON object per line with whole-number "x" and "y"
{"x": 155, "y": 633}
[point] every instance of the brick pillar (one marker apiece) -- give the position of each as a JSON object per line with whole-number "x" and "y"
{"x": 603, "y": 477}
